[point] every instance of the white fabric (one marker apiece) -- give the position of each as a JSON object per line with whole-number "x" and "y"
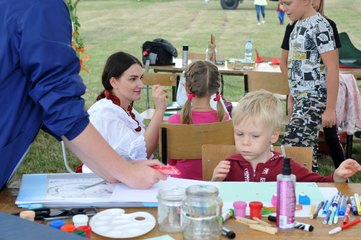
{"x": 117, "y": 128}
{"x": 260, "y": 2}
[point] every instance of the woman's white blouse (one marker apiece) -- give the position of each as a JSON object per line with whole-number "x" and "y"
{"x": 117, "y": 128}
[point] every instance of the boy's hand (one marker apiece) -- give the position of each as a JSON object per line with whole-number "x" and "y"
{"x": 347, "y": 169}
{"x": 221, "y": 171}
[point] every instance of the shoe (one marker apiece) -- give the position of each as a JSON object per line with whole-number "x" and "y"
{"x": 258, "y": 23}
{"x": 263, "y": 21}
{"x": 358, "y": 134}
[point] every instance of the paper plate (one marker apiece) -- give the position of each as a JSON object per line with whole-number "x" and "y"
{"x": 114, "y": 223}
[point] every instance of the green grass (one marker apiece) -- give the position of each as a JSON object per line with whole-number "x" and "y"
{"x": 113, "y": 25}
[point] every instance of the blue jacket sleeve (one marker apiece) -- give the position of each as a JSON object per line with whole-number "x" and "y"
{"x": 50, "y": 63}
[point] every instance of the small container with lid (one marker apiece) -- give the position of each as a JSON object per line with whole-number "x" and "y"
{"x": 255, "y": 209}
{"x": 80, "y": 220}
{"x": 169, "y": 209}
{"x": 239, "y": 208}
{"x": 202, "y": 213}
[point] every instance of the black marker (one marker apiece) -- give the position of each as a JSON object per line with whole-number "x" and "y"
{"x": 302, "y": 226}
{"x": 228, "y": 233}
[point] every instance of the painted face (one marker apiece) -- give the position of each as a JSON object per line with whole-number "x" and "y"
{"x": 253, "y": 139}
{"x": 129, "y": 86}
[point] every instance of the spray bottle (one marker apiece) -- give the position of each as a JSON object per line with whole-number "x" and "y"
{"x": 286, "y": 200}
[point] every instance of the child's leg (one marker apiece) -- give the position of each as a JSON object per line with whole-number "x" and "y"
{"x": 258, "y": 10}
{"x": 333, "y": 142}
{"x": 303, "y": 127}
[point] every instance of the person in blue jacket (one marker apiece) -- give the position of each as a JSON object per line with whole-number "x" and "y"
{"x": 40, "y": 87}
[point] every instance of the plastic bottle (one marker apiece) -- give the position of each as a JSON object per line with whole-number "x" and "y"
{"x": 286, "y": 200}
{"x": 248, "y": 51}
{"x": 185, "y": 56}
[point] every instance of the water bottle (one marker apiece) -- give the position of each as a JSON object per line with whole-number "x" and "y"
{"x": 185, "y": 56}
{"x": 286, "y": 197}
{"x": 248, "y": 62}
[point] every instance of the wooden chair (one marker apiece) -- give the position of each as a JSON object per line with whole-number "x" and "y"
{"x": 184, "y": 141}
{"x": 163, "y": 79}
{"x": 212, "y": 154}
{"x": 274, "y": 82}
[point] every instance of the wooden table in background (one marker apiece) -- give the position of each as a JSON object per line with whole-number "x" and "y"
{"x": 224, "y": 70}
{"x": 8, "y": 196}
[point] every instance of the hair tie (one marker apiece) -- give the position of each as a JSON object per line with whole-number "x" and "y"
{"x": 190, "y": 96}
{"x": 107, "y": 94}
{"x": 217, "y": 98}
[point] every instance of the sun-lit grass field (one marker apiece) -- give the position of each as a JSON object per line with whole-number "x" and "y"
{"x": 123, "y": 25}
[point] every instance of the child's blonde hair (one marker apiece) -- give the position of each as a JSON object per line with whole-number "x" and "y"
{"x": 259, "y": 104}
{"x": 203, "y": 79}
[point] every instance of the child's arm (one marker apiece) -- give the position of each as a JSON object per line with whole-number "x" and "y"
{"x": 347, "y": 169}
{"x": 221, "y": 171}
{"x": 330, "y": 59}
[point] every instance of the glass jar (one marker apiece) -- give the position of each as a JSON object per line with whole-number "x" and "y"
{"x": 169, "y": 209}
{"x": 202, "y": 213}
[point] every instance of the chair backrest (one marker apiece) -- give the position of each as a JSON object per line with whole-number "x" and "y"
{"x": 212, "y": 154}
{"x": 348, "y": 49}
{"x": 184, "y": 141}
{"x": 274, "y": 82}
{"x": 302, "y": 155}
{"x": 163, "y": 79}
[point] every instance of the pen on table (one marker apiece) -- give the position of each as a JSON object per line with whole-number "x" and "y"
{"x": 312, "y": 212}
{"x": 353, "y": 205}
{"x": 330, "y": 215}
{"x": 327, "y": 205}
{"x": 358, "y": 205}
{"x": 343, "y": 227}
{"x": 342, "y": 208}
{"x": 318, "y": 209}
{"x": 346, "y": 217}
{"x": 228, "y": 233}
{"x": 299, "y": 225}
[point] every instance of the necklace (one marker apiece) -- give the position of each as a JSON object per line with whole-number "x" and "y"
{"x": 108, "y": 95}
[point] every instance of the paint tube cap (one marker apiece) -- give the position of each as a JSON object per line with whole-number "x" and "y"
{"x": 304, "y": 199}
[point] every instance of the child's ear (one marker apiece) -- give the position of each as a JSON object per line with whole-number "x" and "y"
{"x": 113, "y": 82}
{"x": 275, "y": 135}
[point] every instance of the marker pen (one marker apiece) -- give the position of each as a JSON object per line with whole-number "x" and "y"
{"x": 343, "y": 227}
{"x": 346, "y": 217}
{"x": 342, "y": 208}
{"x": 302, "y": 226}
{"x": 353, "y": 205}
{"x": 318, "y": 209}
{"x": 358, "y": 204}
{"x": 227, "y": 214}
{"x": 228, "y": 233}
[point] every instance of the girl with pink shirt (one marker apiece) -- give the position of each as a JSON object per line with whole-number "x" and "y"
{"x": 202, "y": 80}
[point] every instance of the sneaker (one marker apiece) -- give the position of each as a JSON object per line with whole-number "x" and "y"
{"x": 258, "y": 23}
{"x": 263, "y": 21}
{"x": 315, "y": 168}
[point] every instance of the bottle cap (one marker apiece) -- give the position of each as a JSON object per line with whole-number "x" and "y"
{"x": 80, "y": 220}
{"x": 57, "y": 223}
{"x": 304, "y": 199}
{"x": 87, "y": 230}
{"x": 68, "y": 228}
{"x": 185, "y": 47}
{"x": 286, "y": 169}
{"x": 28, "y": 215}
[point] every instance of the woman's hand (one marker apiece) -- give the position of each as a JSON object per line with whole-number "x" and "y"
{"x": 159, "y": 95}
{"x": 221, "y": 171}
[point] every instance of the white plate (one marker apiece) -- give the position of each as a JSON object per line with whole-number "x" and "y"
{"x": 114, "y": 223}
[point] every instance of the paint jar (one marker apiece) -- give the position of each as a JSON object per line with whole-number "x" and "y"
{"x": 87, "y": 230}
{"x": 68, "y": 228}
{"x": 169, "y": 209}
{"x": 80, "y": 220}
{"x": 239, "y": 208}
{"x": 57, "y": 223}
{"x": 202, "y": 213}
{"x": 255, "y": 209}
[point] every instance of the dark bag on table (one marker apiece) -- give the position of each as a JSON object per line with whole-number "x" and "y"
{"x": 158, "y": 52}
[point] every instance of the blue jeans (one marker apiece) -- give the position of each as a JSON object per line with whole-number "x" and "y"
{"x": 260, "y": 9}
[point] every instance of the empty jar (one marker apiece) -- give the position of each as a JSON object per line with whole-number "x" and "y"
{"x": 169, "y": 209}
{"x": 202, "y": 213}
